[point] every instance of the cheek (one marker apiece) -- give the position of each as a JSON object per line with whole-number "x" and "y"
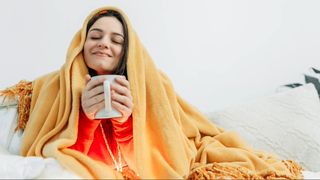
{"x": 87, "y": 46}
{"x": 118, "y": 51}
{"x": 86, "y": 50}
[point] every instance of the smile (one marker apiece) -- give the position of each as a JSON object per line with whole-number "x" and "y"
{"x": 101, "y": 54}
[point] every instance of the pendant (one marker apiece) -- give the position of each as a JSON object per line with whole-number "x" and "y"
{"x": 119, "y": 168}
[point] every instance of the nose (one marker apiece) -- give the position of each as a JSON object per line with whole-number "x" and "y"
{"x": 104, "y": 43}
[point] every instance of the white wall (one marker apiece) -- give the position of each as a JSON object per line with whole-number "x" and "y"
{"x": 217, "y": 53}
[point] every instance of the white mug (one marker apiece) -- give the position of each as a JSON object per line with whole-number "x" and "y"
{"x": 108, "y": 111}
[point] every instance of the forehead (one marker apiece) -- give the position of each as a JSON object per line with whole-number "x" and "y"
{"x": 108, "y": 24}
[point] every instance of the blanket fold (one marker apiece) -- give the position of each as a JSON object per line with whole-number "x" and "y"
{"x": 172, "y": 139}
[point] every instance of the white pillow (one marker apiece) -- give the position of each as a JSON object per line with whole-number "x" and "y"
{"x": 286, "y": 124}
{"x": 10, "y": 139}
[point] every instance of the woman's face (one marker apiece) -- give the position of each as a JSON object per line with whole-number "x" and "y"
{"x": 103, "y": 45}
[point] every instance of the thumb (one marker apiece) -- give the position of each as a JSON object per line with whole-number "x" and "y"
{"x": 87, "y": 78}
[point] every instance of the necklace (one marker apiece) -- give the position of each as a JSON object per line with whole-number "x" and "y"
{"x": 118, "y": 164}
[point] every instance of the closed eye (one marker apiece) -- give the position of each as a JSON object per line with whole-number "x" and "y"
{"x": 94, "y": 38}
{"x": 117, "y": 40}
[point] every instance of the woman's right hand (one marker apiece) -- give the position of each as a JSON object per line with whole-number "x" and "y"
{"x": 92, "y": 98}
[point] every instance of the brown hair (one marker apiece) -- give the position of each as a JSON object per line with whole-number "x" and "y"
{"x": 121, "y": 69}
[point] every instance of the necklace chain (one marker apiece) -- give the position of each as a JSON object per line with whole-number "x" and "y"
{"x": 118, "y": 164}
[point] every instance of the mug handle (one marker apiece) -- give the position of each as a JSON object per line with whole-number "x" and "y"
{"x": 107, "y": 96}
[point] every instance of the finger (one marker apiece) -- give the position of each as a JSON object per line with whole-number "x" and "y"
{"x": 95, "y": 100}
{"x": 123, "y": 109}
{"x": 95, "y": 91}
{"x": 121, "y": 90}
{"x": 123, "y": 81}
{"x": 87, "y": 78}
{"x": 95, "y": 108}
{"x": 122, "y": 100}
{"x": 94, "y": 82}
{"x": 88, "y": 102}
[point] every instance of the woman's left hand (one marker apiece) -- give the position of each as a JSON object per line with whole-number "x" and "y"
{"x": 121, "y": 99}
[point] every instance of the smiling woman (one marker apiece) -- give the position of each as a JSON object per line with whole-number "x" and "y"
{"x": 105, "y": 48}
{"x": 160, "y": 136}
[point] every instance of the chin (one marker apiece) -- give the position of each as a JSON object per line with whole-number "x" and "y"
{"x": 104, "y": 67}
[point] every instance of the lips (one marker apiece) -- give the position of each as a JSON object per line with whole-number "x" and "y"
{"x": 101, "y": 54}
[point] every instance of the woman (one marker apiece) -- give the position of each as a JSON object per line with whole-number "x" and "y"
{"x": 170, "y": 139}
{"x": 105, "y": 52}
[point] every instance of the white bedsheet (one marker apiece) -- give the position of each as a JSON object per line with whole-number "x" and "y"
{"x": 311, "y": 175}
{"x": 19, "y": 167}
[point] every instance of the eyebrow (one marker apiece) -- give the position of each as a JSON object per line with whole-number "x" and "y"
{"x": 100, "y": 30}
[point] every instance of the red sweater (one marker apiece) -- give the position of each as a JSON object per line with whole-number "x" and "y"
{"x": 90, "y": 140}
